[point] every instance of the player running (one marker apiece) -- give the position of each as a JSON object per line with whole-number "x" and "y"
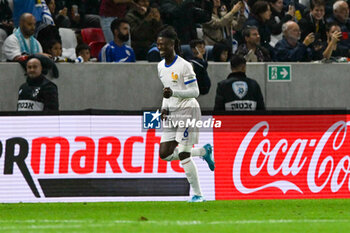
{"x": 179, "y": 104}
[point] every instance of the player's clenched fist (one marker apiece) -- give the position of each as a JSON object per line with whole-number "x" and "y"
{"x": 164, "y": 114}
{"x": 167, "y": 92}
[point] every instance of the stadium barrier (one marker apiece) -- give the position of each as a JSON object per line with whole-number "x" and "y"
{"x": 111, "y": 156}
{"x": 136, "y": 86}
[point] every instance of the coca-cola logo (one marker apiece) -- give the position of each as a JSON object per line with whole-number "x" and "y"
{"x": 288, "y": 164}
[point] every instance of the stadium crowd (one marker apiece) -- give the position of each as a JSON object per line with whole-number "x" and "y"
{"x": 79, "y": 31}
{"x": 260, "y": 30}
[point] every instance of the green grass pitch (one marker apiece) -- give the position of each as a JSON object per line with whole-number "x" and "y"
{"x": 322, "y": 215}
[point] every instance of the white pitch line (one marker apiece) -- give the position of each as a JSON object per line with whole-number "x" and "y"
{"x": 51, "y": 224}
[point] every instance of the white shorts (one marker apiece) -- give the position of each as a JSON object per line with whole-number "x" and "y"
{"x": 186, "y": 135}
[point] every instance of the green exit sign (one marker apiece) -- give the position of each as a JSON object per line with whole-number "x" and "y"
{"x": 279, "y": 73}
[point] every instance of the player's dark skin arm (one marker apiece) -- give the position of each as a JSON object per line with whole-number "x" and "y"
{"x": 167, "y": 92}
{"x": 166, "y": 48}
{"x": 166, "y": 150}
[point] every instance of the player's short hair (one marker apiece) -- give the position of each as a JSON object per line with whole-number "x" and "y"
{"x": 286, "y": 25}
{"x": 237, "y": 60}
{"x": 116, "y": 24}
{"x": 330, "y": 25}
{"x": 247, "y": 30}
{"x": 81, "y": 47}
{"x": 48, "y": 45}
{"x": 168, "y": 32}
{"x": 314, "y": 3}
{"x": 259, "y": 7}
{"x": 194, "y": 43}
{"x": 337, "y": 5}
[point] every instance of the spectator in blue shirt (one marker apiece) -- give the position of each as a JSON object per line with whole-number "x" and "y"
{"x": 117, "y": 50}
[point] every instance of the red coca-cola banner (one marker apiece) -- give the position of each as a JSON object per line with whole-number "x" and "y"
{"x": 282, "y": 156}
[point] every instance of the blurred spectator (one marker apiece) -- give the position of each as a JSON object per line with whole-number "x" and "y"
{"x": 341, "y": 17}
{"x": 289, "y": 49}
{"x": 221, "y": 52}
{"x": 45, "y": 29}
{"x": 54, "y": 48}
{"x": 332, "y": 48}
{"x": 314, "y": 21}
{"x": 38, "y": 9}
{"x": 83, "y": 52}
{"x": 329, "y": 8}
{"x": 45, "y": 33}
{"x": 153, "y": 54}
{"x": 278, "y": 17}
{"x": 238, "y": 92}
{"x": 299, "y": 8}
{"x": 37, "y": 93}
{"x": 6, "y": 23}
{"x": 200, "y": 65}
{"x": 51, "y": 4}
{"x": 222, "y": 23}
{"x": 260, "y": 15}
{"x": 183, "y": 15}
{"x": 110, "y": 10}
{"x": 117, "y": 50}
{"x": 22, "y": 41}
{"x": 69, "y": 14}
{"x": 251, "y": 49}
{"x": 76, "y": 13}
{"x": 144, "y": 23}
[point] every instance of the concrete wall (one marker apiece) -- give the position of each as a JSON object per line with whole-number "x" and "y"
{"x": 136, "y": 86}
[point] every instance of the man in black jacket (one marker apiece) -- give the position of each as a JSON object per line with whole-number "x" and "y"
{"x": 37, "y": 93}
{"x": 200, "y": 65}
{"x": 183, "y": 15}
{"x": 238, "y": 92}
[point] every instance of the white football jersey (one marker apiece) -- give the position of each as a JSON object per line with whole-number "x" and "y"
{"x": 177, "y": 76}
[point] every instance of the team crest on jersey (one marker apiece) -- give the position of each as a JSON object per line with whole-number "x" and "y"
{"x": 240, "y": 88}
{"x": 174, "y": 77}
{"x": 36, "y": 91}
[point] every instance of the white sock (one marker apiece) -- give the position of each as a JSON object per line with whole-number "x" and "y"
{"x": 194, "y": 152}
{"x": 192, "y": 176}
{"x": 198, "y": 151}
{"x": 173, "y": 156}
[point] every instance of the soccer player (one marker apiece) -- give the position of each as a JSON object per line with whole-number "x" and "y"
{"x": 179, "y": 104}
